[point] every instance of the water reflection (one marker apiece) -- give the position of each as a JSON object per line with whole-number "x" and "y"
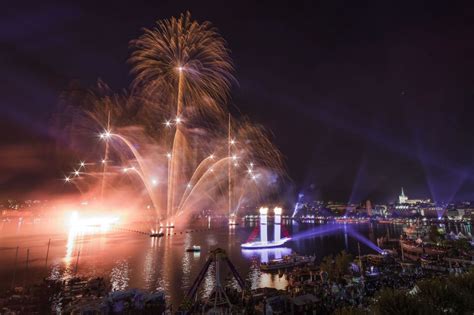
{"x": 209, "y": 281}
{"x": 371, "y": 232}
{"x": 149, "y": 264}
{"x": 167, "y": 269}
{"x": 80, "y": 240}
{"x": 162, "y": 263}
{"x": 18, "y": 227}
{"x": 265, "y": 254}
{"x": 55, "y": 273}
{"x": 71, "y": 241}
{"x": 259, "y": 279}
{"x": 273, "y": 280}
{"x": 186, "y": 261}
{"x": 346, "y": 238}
{"x": 254, "y": 275}
{"x": 119, "y": 276}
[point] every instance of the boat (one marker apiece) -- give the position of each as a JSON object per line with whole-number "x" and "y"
{"x": 194, "y": 248}
{"x": 159, "y": 234}
{"x": 286, "y": 262}
{"x": 270, "y": 244}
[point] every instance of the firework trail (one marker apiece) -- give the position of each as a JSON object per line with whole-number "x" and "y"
{"x": 171, "y": 133}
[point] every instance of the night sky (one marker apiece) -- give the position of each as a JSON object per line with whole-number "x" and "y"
{"x": 362, "y": 97}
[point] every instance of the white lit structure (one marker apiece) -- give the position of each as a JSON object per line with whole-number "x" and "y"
{"x": 277, "y": 230}
{"x": 263, "y": 225}
{"x": 402, "y": 198}
{"x": 264, "y": 243}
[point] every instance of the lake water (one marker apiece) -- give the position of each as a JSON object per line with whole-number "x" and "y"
{"x": 132, "y": 260}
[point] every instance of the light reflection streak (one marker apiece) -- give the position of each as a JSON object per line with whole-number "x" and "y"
{"x": 209, "y": 281}
{"x": 55, "y": 273}
{"x": 186, "y": 261}
{"x": 166, "y": 263}
{"x": 71, "y": 240}
{"x": 20, "y": 221}
{"x": 56, "y": 299}
{"x": 265, "y": 254}
{"x": 79, "y": 227}
{"x": 119, "y": 276}
{"x": 148, "y": 268}
{"x": 260, "y": 279}
{"x": 273, "y": 281}
{"x": 254, "y": 275}
{"x": 346, "y": 239}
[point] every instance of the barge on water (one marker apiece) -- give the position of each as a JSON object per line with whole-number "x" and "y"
{"x": 287, "y": 262}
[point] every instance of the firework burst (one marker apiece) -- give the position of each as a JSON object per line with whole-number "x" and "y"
{"x": 188, "y": 60}
{"x": 170, "y": 134}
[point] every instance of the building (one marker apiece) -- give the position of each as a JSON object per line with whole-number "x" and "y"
{"x": 402, "y": 198}
{"x": 368, "y": 207}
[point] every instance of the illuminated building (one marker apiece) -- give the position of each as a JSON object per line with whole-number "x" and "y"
{"x": 402, "y": 198}
{"x": 368, "y": 206}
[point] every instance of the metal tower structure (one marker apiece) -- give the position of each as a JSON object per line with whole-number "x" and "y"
{"x": 218, "y": 297}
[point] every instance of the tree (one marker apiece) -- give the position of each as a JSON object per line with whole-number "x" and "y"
{"x": 434, "y": 235}
{"x": 395, "y": 302}
{"x": 350, "y": 310}
{"x": 342, "y": 263}
{"x": 452, "y": 295}
{"x": 327, "y": 265}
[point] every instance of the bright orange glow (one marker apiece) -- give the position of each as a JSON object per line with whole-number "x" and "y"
{"x": 89, "y": 224}
{"x": 182, "y": 146}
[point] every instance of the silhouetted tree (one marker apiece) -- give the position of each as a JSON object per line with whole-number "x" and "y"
{"x": 395, "y": 302}
{"x": 342, "y": 263}
{"x": 350, "y": 310}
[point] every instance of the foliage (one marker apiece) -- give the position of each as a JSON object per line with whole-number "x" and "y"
{"x": 342, "y": 263}
{"x": 327, "y": 265}
{"x": 454, "y": 295}
{"x": 434, "y": 235}
{"x": 394, "y": 302}
{"x": 451, "y": 295}
{"x": 350, "y": 310}
{"x": 336, "y": 267}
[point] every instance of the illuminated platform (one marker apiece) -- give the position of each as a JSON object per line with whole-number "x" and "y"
{"x": 270, "y": 244}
